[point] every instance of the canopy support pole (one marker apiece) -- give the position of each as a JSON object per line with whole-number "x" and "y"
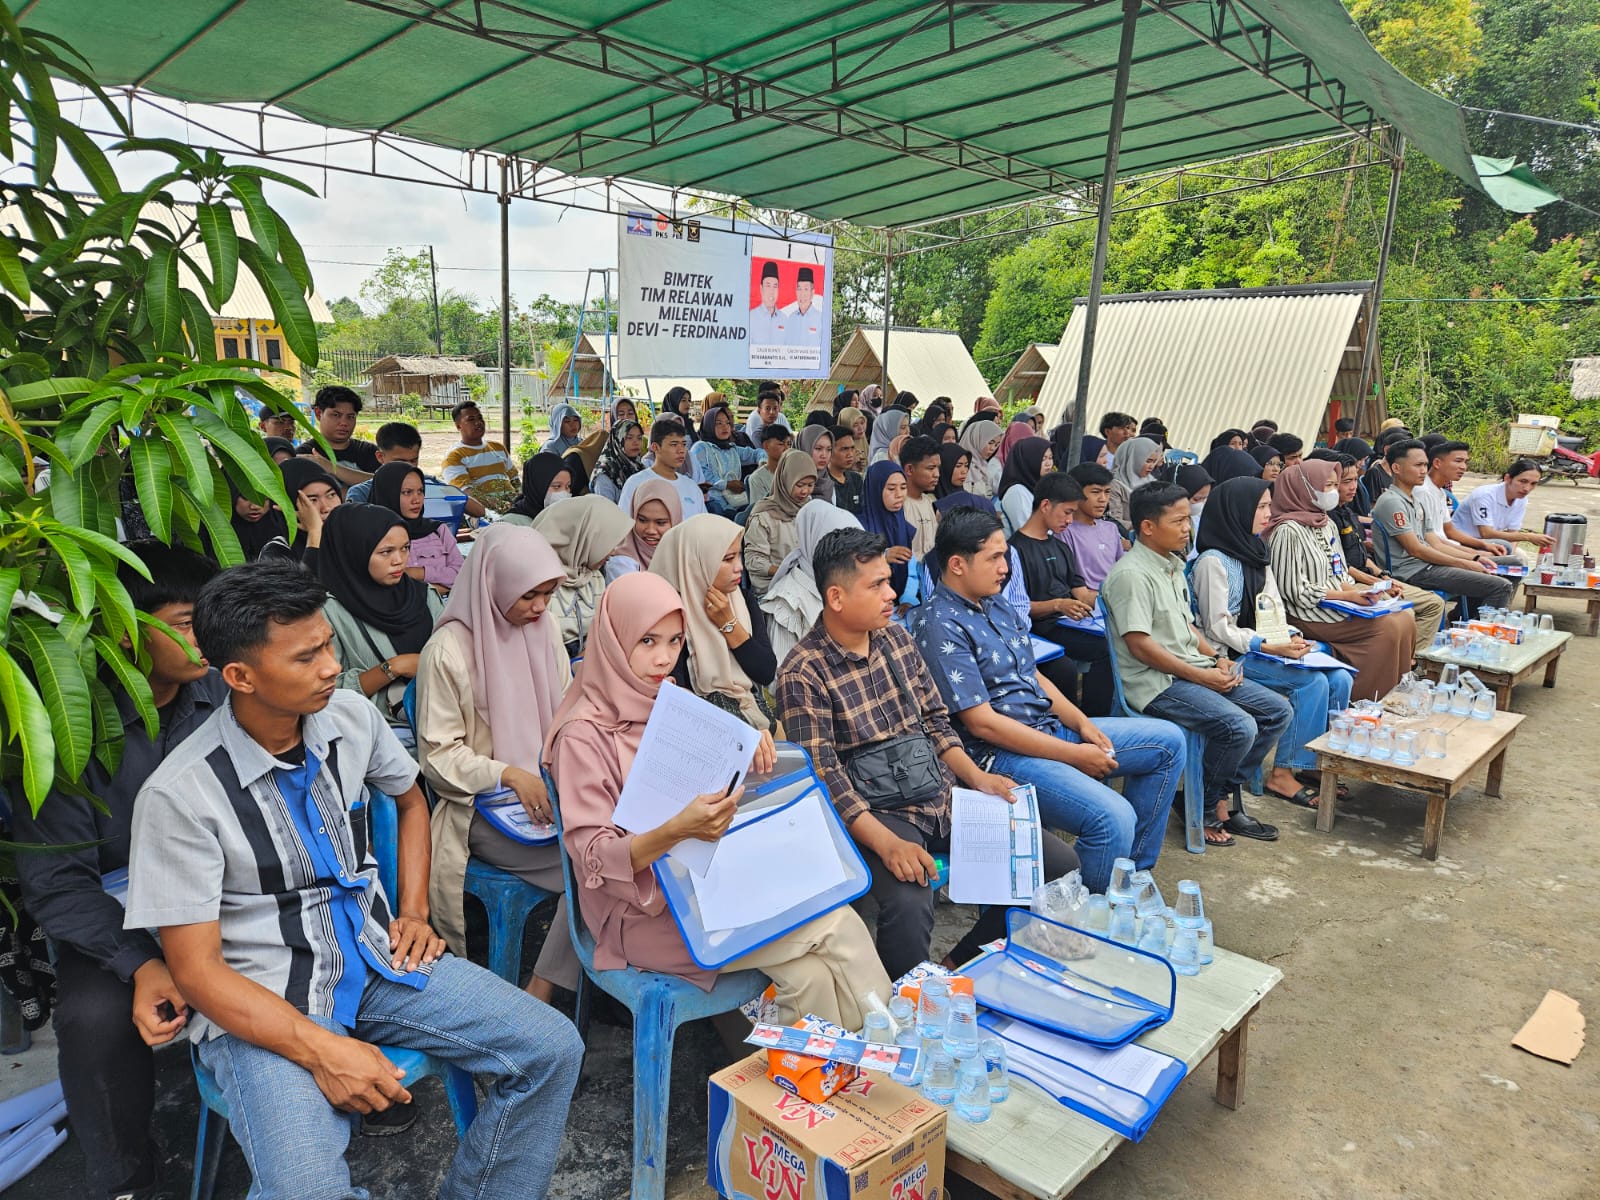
{"x": 1102, "y": 229}
{"x": 888, "y": 302}
{"x": 1370, "y": 342}
{"x": 505, "y": 305}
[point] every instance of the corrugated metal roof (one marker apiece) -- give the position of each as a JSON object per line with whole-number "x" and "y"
{"x": 925, "y": 362}
{"x": 248, "y": 302}
{"x": 430, "y": 365}
{"x": 1025, "y": 380}
{"x": 1208, "y": 361}
{"x": 591, "y": 349}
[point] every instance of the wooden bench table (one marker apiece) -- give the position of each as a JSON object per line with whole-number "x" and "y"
{"x": 1532, "y": 591}
{"x": 1035, "y": 1147}
{"x": 1541, "y": 652}
{"x": 1472, "y": 743}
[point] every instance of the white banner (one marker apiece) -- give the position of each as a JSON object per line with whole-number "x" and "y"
{"x": 708, "y": 297}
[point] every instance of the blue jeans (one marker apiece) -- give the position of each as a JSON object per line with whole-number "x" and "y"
{"x": 1108, "y": 826}
{"x": 1239, "y": 728}
{"x": 295, "y": 1140}
{"x": 1311, "y": 694}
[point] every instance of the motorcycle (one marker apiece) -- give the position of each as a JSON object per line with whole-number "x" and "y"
{"x": 1565, "y": 462}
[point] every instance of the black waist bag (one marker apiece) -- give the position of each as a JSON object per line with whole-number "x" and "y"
{"x": 898, "y": 772}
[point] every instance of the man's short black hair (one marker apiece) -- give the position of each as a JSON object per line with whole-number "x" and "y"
{"x": 962, "y": 533}
{"x": 1401, "y": 447}
{"x": 235, "y": 611}
{"x": 398, "y": 435}
{"x": 1058, "y": 487}
{"x": 177, "y": 575}
{"x": 840, "y": 554}
{"x": 918, "y": 449}
{"x": 455, "y": 413}
{"x": 1440, "y": 449}
{"x": 335, "y": 394}
{"x": 1345, "y": 425}
{"x": 1092, "y": 474}
{"x": 1430, "y": 440}
{"x": 1520, "y": 465}
{"x": 775, "y": 397}
{"x": 664, "y": 428}
{"x": 1117, "y": 420}
{"x": 1286, "y": 444}
{"x": 842, "y": 431}
{"x": 777, "y": 431}
{"x": 1323, "y": 454}
{"x": 1149, "y": 502}
{"x": 1265, "y": 423}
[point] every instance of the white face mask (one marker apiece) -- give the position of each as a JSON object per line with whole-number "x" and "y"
{"x": 1327, "y": 501}
{"x": 1196, "y": 507}
{"x": 556, "y": 498}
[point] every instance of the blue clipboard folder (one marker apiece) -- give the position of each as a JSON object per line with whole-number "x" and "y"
{"x": 1094, "y": 623}
{"x": 1104, "y": 993}
{"x": 1122, "y": 1089}
{"x": 791, "y": 780}
{"x": 504, "y": 811}
{"x": 1364, "y": 610}
{"x": 1045, "y": 651}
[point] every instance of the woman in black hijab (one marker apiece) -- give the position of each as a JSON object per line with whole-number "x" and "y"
{"x": 315, "y": 493}
{"x": 538, "y": 474}
{"x": 1225, "y": 463}
{"x": 257, "y": 526}
{"x": 1238, "y": 439}
{"x": 1029, "y": 459}
{"x": 676, "y": 402}
{"x": 1270, "y": 459}
{"x": 1061, "y": 445}
{"x": 955, "y": 461}
{"x": 381, "y": 616}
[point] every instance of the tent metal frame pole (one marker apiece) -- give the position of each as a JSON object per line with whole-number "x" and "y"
{"x": 888, "y": 304}
{"x": 505, "y": 304}
{"x": 1370, "y": 347}
{"x": 1102, "y": 231}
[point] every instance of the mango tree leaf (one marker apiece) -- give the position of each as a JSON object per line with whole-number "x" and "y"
{"x": 161, "y": 296}
{"x": 249, "y": 456}
{"x": 222, "y": 247}
{"x": 13, "y": 275}
{"x": 62, "y": 686}
{"x": 191, "y": 452}
{"x": 132, "y": 679}
{"x": 263, "y": 221}
{"x": 109, "y": 734}
{"x": 288, "y": 300}
{"x": 80, "y": 571}
{"x": 152, "y": 479}
{"x": 88, "y": 438}
{"x": 27, "y": 721}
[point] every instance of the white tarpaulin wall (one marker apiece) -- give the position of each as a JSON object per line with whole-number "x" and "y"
{"x": 728, "y": 299}
{"x": 925, "y": 362}
{"x": 1208, "y": 361}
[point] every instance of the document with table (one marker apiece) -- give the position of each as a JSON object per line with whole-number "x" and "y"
{"x": 690, "y": 748}
{"x": 996, "y": 852}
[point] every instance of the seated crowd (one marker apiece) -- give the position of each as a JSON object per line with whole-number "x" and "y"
{"x": 869, "y": 578}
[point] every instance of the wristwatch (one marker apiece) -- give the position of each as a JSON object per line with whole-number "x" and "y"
{"x": 730, "y": 627}
{"x": 387, "y": 670}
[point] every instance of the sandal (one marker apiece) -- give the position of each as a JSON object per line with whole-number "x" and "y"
{"x": 1306, "y": 797}
{"x": 1313, "y": 780}
{"x": 1215, "y": 826}
{"x": 1243, "y": 824}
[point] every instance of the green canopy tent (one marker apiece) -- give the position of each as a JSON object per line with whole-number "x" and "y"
{"x": 882, "y": 113}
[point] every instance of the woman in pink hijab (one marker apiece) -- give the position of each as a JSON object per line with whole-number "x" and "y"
{"x": 1019, "y": 430}
{"x": 488, "y": 684}
{"x": 823, "y": 967}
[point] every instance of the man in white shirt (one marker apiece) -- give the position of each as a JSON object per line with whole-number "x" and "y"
{"x": 1495, "y": 512}
{"x": 670, "y": 446}
{"x": 768, "y": 411}
{"x": 1447, "y": 463}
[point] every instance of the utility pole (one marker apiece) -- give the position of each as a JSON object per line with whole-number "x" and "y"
{"x": 433, "y": 275}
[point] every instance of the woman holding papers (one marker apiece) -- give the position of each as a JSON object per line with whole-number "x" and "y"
{"x": 1309, "y": 564}
{"x": 487, "y": 688}
{"x": 1231, "y": 576}
{"x": 824, "y": 967}
{"x": 770, "y": 532}
{"x": 584, "y": 532}
{"x": 727, "y": 658}
{"x": 792, "y": 603}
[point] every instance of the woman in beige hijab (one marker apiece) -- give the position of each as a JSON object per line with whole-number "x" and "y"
{"x": 982, "y": 440}
{"x": 584, "y": 532}
{"x": 770, "y": 534}
{"x": 727, "y": 658}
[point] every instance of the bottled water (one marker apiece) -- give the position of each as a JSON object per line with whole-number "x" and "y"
{"x": 961, "y": 1033}
{"x": 1185, "y": 956}
{"x": 1121, "y": 885}
{"x": 933, "y": 1007}
{"x": 904, "y": 1015}
{"x": 972, "y": 1088}
{"x": 939, "y": 1079}
{"x": 879, "y": 1030}
{"x": 1123, "y": 928}
{"x": 1205, "y": 943}
{"x": 1153, "y": 936}
{"x": 994, "y": 1058}
{"x": 1146, "y": 895}
{"x": 1190, "y": 910}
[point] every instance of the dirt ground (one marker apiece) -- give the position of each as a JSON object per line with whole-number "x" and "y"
{"x": 1380, "y": 1067}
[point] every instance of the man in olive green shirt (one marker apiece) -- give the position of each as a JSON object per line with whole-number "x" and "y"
{"x": 1169, "y": 670}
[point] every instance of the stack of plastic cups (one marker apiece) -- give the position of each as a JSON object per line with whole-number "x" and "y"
{"x": 905, "y": 1020}
{"x": 1121, "y": 885}
{"x": 972, "y": 1102}
{"x": 1189, "y": 914}
{"x": 1123, "y": 927}
{"x": 961, "y": 1032}
{"x": 933, "y": 1017}
{"x": 994, "y": 1058}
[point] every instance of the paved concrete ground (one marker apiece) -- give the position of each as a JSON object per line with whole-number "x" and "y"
{"x": 1380, "y": 1067}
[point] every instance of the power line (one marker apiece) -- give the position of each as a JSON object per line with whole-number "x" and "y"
{"x": 346, "y": 262}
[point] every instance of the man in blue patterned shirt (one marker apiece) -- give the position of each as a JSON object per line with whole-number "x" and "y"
{"x": 1015, "y": 721}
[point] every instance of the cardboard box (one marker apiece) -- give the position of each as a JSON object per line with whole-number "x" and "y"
{"x": 873, "y": 1140}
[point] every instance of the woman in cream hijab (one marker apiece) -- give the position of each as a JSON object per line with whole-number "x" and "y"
{"x": 584, "y": 532}
{"x": 770, "y": 534}
{"x": 982, "y": 440}
{"x": 792, "y": 604}
{"x": 727, "y": 658}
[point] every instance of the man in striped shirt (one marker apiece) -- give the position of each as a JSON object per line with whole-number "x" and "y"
{"x": 478, "y": 467}
{"x": 250, "y": 856}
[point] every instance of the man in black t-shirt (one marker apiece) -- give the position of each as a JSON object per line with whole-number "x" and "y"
{"x": 336, "y": 409}
{"x": 1057, "y": 589}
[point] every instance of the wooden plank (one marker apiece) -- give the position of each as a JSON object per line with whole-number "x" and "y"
{"x": 1033, "y": 1146}
{"x": 1231, "y": 1064}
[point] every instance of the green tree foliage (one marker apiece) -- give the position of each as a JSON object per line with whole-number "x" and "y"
{"x": 108, "y": 378}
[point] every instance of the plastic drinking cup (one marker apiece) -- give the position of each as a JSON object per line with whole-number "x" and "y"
{"x": 1435, "y": 742}
{"x": 1339, "y": 733}
{"x": 1382, "y": 742}
{"x": 1121, "y": 879}
{"x": 1483, "y": 706}
{"x": 933, "y": 1007}
{"x": 1360, "y": 740}
{"x": 1461, "y": 701}
{"x": 1547, "y": 624}
{"x": 1190, "y": 908}
{"x": 1405, "y": 748}
{"x": 939, "y": 1078}
{"x": 1449, "y": 675}
{"x": 1097, "y": 915}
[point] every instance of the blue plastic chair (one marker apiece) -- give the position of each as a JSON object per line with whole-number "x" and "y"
{"x": 458, "y": 1086}
{"x": 508, "y": 900}
{"x": 659, "y": 1004}
{"x": 1194, "y": 806}
{"x": 1380, "y": 542}
{"x": 1180, "y": 457}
